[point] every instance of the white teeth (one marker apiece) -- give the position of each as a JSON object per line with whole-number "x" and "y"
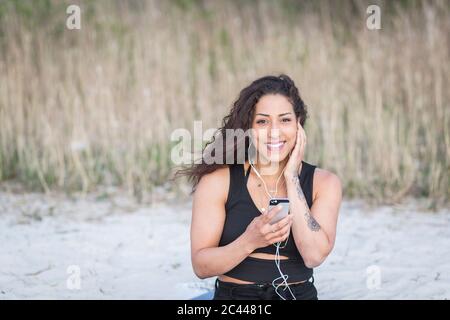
{"x": 275, "y": 145}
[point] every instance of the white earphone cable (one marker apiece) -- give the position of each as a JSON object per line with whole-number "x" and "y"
{"x": 283, "y": 276}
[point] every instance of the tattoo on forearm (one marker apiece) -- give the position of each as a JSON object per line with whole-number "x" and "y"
{"x": 312, "y": 223}
{"x": 296, "y": 181}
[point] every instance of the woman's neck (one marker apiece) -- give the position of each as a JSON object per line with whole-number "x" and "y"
{"x": 271, "y": 170}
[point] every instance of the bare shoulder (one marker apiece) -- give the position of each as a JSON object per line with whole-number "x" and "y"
{"x": 214, "y": 185}
{"x": 326, "y": 181}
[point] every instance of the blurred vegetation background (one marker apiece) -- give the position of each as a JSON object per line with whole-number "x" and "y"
{"x": 97, "y": 106}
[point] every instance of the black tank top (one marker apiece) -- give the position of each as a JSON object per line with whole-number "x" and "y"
{"x": 241, "y": 210}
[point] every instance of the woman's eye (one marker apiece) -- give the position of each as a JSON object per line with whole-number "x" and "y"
{"x": 260, "y": 121}
{"x": 286, "y": 120}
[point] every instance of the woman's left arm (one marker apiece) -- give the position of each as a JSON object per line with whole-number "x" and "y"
{"x": 314, "y": 230}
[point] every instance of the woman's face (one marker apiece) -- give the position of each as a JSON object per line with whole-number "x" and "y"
{"x": 274, "y": 127}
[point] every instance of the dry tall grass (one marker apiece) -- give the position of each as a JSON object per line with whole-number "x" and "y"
{"x": 98, "y": 105}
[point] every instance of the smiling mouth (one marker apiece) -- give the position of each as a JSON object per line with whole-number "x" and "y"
{"x": 275, "y": 146}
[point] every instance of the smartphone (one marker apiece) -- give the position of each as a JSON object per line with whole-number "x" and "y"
{"x": 284, "y": 211}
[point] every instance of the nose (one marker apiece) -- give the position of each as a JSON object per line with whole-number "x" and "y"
{"x": 274, "y": 132}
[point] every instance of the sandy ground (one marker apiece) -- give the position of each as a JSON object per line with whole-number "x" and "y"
{"x": 54, "y": 247}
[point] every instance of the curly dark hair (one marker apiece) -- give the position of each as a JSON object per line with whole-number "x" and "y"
{"x": 241, "y": 118}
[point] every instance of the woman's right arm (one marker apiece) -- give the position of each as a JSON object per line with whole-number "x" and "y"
{"x": 208, "y": 218}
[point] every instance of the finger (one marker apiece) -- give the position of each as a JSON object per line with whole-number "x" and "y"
{"x": 269, "y": 229}
{"x": 279, "y": 239}
{"x": 299, "y": 137}
{"x": 283, "y": 222}
{"x": 283, "y": 231}
{"x": 280, "y": 233}
{"x": 296, "y": 148}
{"x": 302, "y": 136}
{"x": 271, "y": 213}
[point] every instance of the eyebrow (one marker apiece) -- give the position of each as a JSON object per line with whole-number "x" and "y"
{"x": 267, "y": 115}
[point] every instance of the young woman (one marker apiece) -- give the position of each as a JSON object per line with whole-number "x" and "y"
{"x": 231, "y": 234}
